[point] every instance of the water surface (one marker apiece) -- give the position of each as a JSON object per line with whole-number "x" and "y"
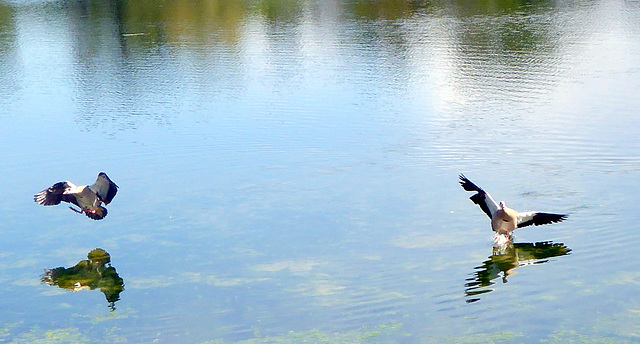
{"x": 288, "y": 170}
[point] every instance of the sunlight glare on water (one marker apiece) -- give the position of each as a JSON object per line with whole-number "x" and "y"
{"x": 288, "y": 170}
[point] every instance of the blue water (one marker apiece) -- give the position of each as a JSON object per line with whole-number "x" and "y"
{"x": 288, "y": 170}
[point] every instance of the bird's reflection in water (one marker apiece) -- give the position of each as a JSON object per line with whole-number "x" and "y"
{"x": 95, "y": 272}
{"x": 505, "y": 260}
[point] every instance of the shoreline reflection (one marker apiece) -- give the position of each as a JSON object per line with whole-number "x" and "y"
{"x": 503, "y": 262}
{"x": 94, "y": 272}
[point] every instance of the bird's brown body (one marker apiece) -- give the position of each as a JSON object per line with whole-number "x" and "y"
{"x": 88, "y": 201}
{"x": 504, "y": 221}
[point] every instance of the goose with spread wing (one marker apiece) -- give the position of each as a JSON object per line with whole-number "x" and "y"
{"x": 89, "y": 198}
{"x": 505, "y": 220}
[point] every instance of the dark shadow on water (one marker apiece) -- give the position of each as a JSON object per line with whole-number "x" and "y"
{"x": 505, "y": 260}
{"x": 94, "y": 272}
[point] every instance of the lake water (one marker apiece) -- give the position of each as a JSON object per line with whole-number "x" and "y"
{"x": 288, "y": 170}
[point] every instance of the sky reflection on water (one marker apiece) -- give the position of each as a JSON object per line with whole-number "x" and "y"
{"x": 288, "y": 170}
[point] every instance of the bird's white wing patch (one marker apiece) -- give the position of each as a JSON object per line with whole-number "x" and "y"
{"x": 491, "y": 204}
{"x": 526, "y": 216}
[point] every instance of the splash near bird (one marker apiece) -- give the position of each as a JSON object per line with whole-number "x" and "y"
{"x": 88, "y": 198}
{"x": 505, "y": 220}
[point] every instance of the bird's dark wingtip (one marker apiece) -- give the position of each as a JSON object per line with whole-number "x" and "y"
{"x": 463, "y": 180}
{"x": 544, "y": 219}
{"x": 467, "y": 184}
{"x": 52, "y": 195}
{"x": 555, "y": 218}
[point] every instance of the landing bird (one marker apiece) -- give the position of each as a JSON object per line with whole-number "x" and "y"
{"x": 505, "y": 220}
{"x": 88, "y": 198}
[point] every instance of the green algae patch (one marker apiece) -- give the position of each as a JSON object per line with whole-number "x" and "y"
{"x": 59, "y": 336}
{"x": 376, "y": 334}
{"x": 573, "y": 337}
{"x": 484, "y": 338}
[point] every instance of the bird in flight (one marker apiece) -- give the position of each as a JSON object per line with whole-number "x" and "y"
{"x": 505, "y": 220}
{"x": 88, "y": 198}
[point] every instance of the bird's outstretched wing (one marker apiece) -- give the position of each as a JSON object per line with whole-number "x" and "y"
{"x": 70, "y": 198}
{"x": 104, "y": 188}
{"x": 481, "y": 198}
{"x": 53, "y": 195}
{"x": 536, "y": 218}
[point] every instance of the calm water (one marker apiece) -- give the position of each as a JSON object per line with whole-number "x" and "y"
{"x": 288, "y": 170}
